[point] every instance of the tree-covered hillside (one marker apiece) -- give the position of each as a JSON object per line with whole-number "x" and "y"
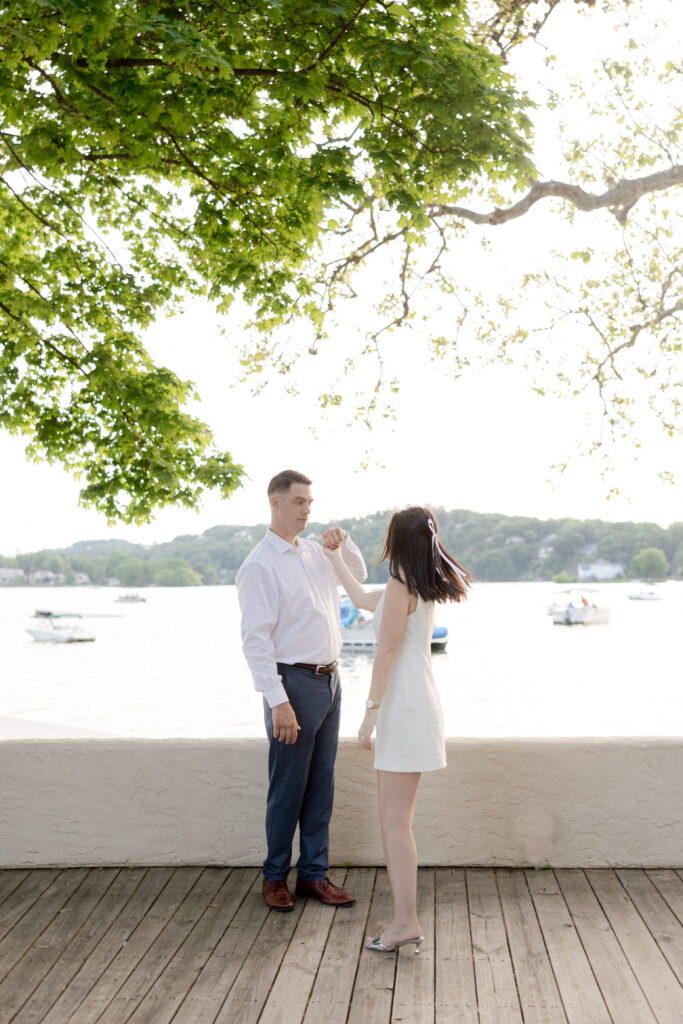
{"x": 494, "y": 547}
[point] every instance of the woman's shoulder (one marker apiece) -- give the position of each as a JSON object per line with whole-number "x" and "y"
{"x": 396, "y": 586}
{"x": 398, "y": 595}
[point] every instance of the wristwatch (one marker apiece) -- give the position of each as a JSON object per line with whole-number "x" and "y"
{"x": 370, "y": 705}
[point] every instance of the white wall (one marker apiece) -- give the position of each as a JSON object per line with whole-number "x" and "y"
{"x": 564, "y": 802}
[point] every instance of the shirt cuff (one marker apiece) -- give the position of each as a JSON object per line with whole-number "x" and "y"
{"x": 278, "y": 695}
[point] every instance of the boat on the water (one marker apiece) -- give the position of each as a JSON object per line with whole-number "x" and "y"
{"x": 358, "y": 633}
{"x": 42, "y": 613}
{"x": 577, "y": 610}
{"x": 131, "y": 598}
{"x": 54, "y": 633}
{"x": 645, "y": 595}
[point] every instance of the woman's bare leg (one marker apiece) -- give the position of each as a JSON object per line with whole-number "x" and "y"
{"x": 397, "y": 792}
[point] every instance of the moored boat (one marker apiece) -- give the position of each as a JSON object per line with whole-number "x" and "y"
{"x": 57, "y": 634}
{"x": 577, "y": 610}
{"x": 42, "y": 613}
{"x": 358, "y": 633}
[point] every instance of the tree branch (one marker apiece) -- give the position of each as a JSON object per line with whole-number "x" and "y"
{"x": 619, "y": 199}
{"x": 340, "y": 35}
{"x": 61, "y": 98}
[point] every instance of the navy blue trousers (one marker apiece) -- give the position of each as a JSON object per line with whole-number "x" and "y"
{"x": 301, "y": 776}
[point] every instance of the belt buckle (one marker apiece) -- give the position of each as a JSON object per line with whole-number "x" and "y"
{"x": 317, "y": 670}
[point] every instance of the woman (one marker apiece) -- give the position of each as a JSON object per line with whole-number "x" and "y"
{"x": 403, "y": 703}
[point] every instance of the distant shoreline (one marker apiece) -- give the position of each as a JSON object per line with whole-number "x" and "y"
{"x": 495, "y": 548}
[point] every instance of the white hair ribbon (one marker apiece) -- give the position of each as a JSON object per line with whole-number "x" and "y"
{"x": 438, "y": 550}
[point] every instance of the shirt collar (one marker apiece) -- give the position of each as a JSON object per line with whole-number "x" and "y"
{"x": 279, "y": 543}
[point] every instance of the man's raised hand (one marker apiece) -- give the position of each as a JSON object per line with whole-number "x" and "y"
{"x": 333, "y": 537}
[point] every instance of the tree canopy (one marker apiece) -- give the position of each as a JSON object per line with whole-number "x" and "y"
{"x": 154, "y": 150}
{"x": 272, "y": 151}
{"x": 494, "y": 547}
{"x": 651, "y": 563}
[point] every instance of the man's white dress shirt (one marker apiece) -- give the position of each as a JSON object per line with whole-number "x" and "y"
{"x": 290, "y": 608}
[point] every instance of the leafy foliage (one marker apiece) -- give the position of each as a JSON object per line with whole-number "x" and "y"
{"x": 494, "y": 547}
{"x": 650, "y": 563}
{"x": 153, "y": 150}
{"x": 592, "y": 309}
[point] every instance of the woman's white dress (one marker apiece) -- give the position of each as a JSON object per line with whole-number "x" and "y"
{"x": 410, "y": 735}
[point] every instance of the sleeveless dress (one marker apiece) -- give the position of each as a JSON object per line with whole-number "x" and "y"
{"x": 409, "y": 731}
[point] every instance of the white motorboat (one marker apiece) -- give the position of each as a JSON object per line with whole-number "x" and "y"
{"x": 358, "y": 633}
{"x": 131, "y": 598}
{"x": 645, "y": 595}
{"x": 59, "y": 634}
{"x": 577, "y": 610}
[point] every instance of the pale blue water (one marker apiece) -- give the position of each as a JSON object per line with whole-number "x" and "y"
{"x": 173, "y": 666}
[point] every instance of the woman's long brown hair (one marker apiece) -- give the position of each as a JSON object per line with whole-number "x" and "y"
{"x": 418, "y": 561}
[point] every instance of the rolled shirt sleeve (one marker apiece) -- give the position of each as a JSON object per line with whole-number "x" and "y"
{"x": 258, "y": 597}
{"x": 354, "y": 559}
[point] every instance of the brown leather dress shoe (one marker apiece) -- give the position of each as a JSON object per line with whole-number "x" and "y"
{"x": 324, "y": 891}
{"x": 277, "y": 895}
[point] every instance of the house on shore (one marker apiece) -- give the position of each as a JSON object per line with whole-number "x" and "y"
{"x": 599, "y": 570}
{"x": 12, "y": 575}
{"x": 45, "y": 578}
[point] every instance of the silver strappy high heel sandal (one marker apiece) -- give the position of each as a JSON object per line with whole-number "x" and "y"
{"x": 379, "y": 946}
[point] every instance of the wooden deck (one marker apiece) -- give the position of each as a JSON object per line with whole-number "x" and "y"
{"x": 193, "y": 946}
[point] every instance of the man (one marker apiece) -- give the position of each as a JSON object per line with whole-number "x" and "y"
{"x": 291, "y": 639}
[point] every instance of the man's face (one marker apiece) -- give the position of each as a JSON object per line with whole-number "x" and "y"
{"x": 291, "y": 511}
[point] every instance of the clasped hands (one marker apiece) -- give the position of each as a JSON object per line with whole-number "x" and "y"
{"x": 332, "y": 541}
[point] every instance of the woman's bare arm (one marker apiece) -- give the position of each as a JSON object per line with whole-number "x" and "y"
{"x": 362, "y": 598}
{"x": 397, "y": 606}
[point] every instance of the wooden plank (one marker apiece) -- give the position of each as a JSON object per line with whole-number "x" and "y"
{"x": 10, "y": 879}
{"x": 288, "y": 998}
{"x": 614, "y": 975}
{"x": 145, "y": 887}
{"x": 169, "y": 990}
{"x": 665, "y": 927}
{"x": 27, "y": 931}
{"x": 414, "y": 984}
{"x": 660, "y": 985}
{"x": 27, "y": 893}
{"x": 373, "y": 991}
{"x": 205, "y": 998}
{"x": 670, "y": 887}
{"x": 255, "y": 978}
{"x": 37, "y": 961}
{"x": 455, "y": 989}
{"x": 538, "y": 993}
{"x": 134, "y": 948}
{"x": 164, "y": 946}
{"x": 581, "y": 997}
{"x": 496, "y": 989}
{"x": 73, "y": 955}
{"x": 334, "y": 982}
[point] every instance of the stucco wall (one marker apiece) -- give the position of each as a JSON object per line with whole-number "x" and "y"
{"x": 566, "y": 802}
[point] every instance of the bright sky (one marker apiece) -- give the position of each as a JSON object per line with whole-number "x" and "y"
{"x": 485, "y": 441}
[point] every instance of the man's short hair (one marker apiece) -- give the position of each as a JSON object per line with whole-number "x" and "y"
{"x": 281, "y": 483}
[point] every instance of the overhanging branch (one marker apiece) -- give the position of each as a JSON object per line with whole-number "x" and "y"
{"x": 619, "y": 199}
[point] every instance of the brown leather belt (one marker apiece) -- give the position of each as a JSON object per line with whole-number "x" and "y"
{"x": 320, "y": 670}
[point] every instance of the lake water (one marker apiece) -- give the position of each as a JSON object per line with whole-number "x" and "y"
{"x": 173, "y": 666}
